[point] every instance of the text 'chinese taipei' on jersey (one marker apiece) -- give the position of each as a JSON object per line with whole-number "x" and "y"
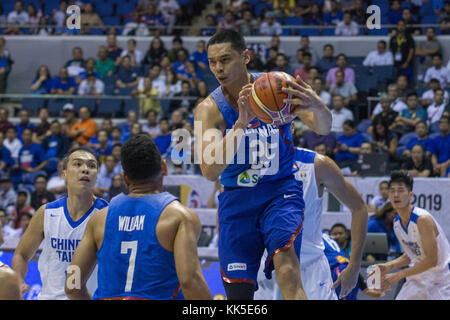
{"x": 131, "y": 261}
{"x": 61, "y": 238}
{"x": 411, "y": 243}
{"x": 251, "y": 165}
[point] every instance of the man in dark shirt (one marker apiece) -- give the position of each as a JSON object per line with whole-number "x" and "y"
{"x": 327, "y": 61}
{"x": 402, "y": 46}
{"x": 387, "y": 114}
{"x": 41, "y": 196}
{"x": 4, "y": 122}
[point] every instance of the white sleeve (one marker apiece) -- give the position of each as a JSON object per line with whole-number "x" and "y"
{"x": 427, "y": 77}
{"x": 368, "y": 60}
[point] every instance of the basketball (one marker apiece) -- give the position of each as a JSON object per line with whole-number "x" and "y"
{"x": 266, "y": 98}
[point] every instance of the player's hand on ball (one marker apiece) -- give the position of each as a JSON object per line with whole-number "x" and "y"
{"x": 245, "y": 111}
{"x": 303, "y": 96}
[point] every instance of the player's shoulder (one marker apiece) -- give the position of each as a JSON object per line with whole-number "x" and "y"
{"x": 181, "y": 212}
{"x": 305, "y": 155}
{"x": 59, "y": 203}
{"x": 207, "y": 105}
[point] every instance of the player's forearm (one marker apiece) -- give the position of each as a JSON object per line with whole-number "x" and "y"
{"x": 400, "y": 262}
{"x": 418, "y": 268}
{"x": 20, "y": 264}
{"x": 320, "y": 119}
{"x": 196, "y": 289}
{"x": 358, "y": 234}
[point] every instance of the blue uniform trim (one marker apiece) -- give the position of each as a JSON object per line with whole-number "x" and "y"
{"x": 412, "y": 217}
{"x": 56, "y": 204}
{"x": 304, "y": 155}
{"x": 98, "y": 203}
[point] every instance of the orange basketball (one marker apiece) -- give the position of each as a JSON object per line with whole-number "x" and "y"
{"x": 266, "y": 98}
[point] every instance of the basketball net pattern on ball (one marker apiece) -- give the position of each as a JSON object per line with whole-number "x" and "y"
{"x": 278, "y": 117}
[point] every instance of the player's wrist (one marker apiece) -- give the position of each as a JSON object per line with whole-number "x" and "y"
{"x": 239, "y": 124}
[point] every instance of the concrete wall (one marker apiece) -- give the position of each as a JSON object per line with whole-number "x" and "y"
{"x": 29, "y": 52}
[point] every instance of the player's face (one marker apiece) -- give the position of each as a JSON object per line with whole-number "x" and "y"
{"x": 227, "y": 64}
{"x": 81, "y": 171}
{"x": 399, "y": 195}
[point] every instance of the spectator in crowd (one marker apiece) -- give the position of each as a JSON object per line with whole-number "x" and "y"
{"x": 5, "y": 65}
{"x": 83, "y": 130}
{"x": 173, "y": 85}
{"x": 444, "y": 19}
{"x": 425, "y": 50}
{"x": 56, "y": 184}
{"x": 12, "y": 143}
{"x": 31, "y": 161}
{"x": 304, "y": 71}
{"x": 117, "y": 187}
{"x": 103, "y": 65}
{"x": 418, "y": 165}
{"x": 345, "y": 89}
{"x": 126, "y": 126}
{"x": 440, "y": 157}
{"x": 104, "y": 178}
{"x": 136, "y": 55}
{"x": 437, "y": 71}
{"x": 75, "y": 65}
{"x": 341, "y": 235}
{"x": 180, "y": 65}
{"x": 340, "y": 114}
{"x": 383, "y": 222}
{"x": 305, "y": 46}
{"x": 116, "y": 154}
{"x": 281, "y": 64}
{"x": 409, "y": 117}
{"x": 126, "y": 76}
{"x": 396, "y": 102}
{"x": 6, "y": 160}
{"x": 321, "y": 148}
{"x": 136, "y": 27}
{"x": 24, "y": 122}
{"x": 5, "y": 124}
{"x": 317, "y": 86}
{"x": 91, "y": 86}
{"x": 42, "y": 83}
{"x": 387, "y": 113}
{"x": 89, "y": 18}
{"x": 164, "y": 139}
{"x": 437, "y": 108}
{"x": 270, "y": 26}
{"x": 334, "y": 16}
{"x": 6, "y": 229}
{"x": 381, "y": 199}
{"x": 41, "y": 195}
{"x": 229, "y": 21}
{"x": 58, "y": 16}
{"x": 155, "y": 52}
{"x": 8, "y": 196}
{"x": 55, "y": 145}
{"x": 70, "y": 119}
{"x": 154, "y": 20}
{"x": 89, "y": 68}
{"x": 169, "y": 10}
{"x": 348, "y": 145}
{"x": 255, "y": 64}
{"x": 200, "y": 56}
{"x": 148, "y": 96}
{"x": 422, "y": 138}
{"x": 116, "y": 135}
{"x": 107, "y": 125}
{"x": 349, "y": 73}
{"x": 176, "y": 120}
{"x": 21, "y": 207}
{"x": 428, "y": 96}
{"x": 403, "y": 86}
{"x": 395, "y": 12}
{"x": 219, "y": 14}
{"x": 211, "y": 26}
{"x": 402, "y": 46}
{"x": 177, "y": 44}
{"x": 379, "y": 57}
{"x": 18, "y": 15}
{"x": 357, "y": 168}
{"x": 151, "y": 126}
{"x": 136, "y": 129}
{"x": 271, "y": 60}
{"x": 42, "y": 129}
{"x": 113, "y": 50}
{"x": 63, "y": 84}
{"x": 311, "y": 139}
{"x": 185, "y": 105}
{"x": 247, "y": 26}
{"x": 104, "y": 148}
{"x": 410, "y": 20}
{"x": 157, "y": 79}
{"x": 385, "y": 140}
{"x": 298, "y": 63}
{"x": 347, "y": 27}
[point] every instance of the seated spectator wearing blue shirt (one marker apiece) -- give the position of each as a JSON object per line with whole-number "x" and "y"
{"x": 76, "y": 64}
{"x": 164, "y": 139}
{"x": 179, "y": 66}
{"x": 25, "y": 122}
{"x": 6, "y": 160}
{"x": 422, "y": 138}
{"x": 348, "y": 144}
{"x": 408, "y": 118}
{"x": 106, "y": 125}
{"x": 334, "y": 16}
{"x": 104, "y": 178}
{"x": 55, "y": 146}
{"x": 126, "y": 76}
{"x": 440, "y": 157}
{"x": 104, "y": 148}
{"x": 211, "y": 26}
{"x": 200, "y": 57}
{"x": 126, "y": 126}
{"x": 395, "y": 13}
{"x": 42, "y": 83}
{"x": 383, "y": 222}
{"x": 327, "y": 61}
{"x": 63, "y": 84}
{"x": 31, "y": 161}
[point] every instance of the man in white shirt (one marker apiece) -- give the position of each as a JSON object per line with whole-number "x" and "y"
{"x": 56, "y": 184}
{"x": 18, "y": 15}
{"x": 397, "y": 104}
{"x": 135, "y": 55}
{"x": 12, "y": 143}
{"x": 168, "y": 9}
{"x": 437, "y": 71}
{"x": 270, "y": 27}
{"x": 318, "y": 87}
{"x": 91, "y": 86}
{"x": 379, "y": 57}
{"x": 339, "y": 113}
{"x": 428, "y": 96}
{"x": 137, "y": 27}
{"x": 435, "y": 110}
{"x": 347, "y": 27}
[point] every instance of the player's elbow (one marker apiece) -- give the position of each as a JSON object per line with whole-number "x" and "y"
{"x": 432, "y": 261}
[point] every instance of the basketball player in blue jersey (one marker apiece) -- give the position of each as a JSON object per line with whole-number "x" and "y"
{"x": 317, "y": 172}
{"x": 60, "y": 225}
{"x": 261, "y": 206}
{"x": 145, "y": 243}
{"x": 425, "y": 245}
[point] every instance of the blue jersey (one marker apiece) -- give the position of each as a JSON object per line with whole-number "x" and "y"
{"x": 131, "y": 261}
{"x": 250, "y": 164}
{"x": 334, "y": 253}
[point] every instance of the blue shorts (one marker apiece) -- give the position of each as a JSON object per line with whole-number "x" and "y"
{"x": 267, "y": 216}
{"x": 335, "y": 272}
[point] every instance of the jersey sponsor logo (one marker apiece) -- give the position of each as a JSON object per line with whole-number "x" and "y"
{"x": 236, "y": 266}
{"x": 248, "y": 178}
{"x": 135, "y": 223}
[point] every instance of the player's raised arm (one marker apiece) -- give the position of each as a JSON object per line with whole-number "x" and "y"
{"x": 309, "y": 107}
{"x": 28, "y": 245}
{"x": 187, "y": 263}
{"x": 330, "y": 175}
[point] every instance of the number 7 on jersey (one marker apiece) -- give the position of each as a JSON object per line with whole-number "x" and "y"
{"x": 124, "y": 247}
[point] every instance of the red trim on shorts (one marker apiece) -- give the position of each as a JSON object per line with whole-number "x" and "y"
{"x": 175, "y": 293}
{"x": 288, "y": 245}
{"x": 124, "y": 298}
{"x": 235, "y": 280}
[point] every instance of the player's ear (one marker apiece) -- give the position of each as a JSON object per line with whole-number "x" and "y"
{"x": 125, "y": 180}
{"x": 164, "y": 168}
{"x": 246, "y": 54}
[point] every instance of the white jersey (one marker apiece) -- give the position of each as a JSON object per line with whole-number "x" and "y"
{"x": 411, "y": 243}
{"x": 61, "y": 238}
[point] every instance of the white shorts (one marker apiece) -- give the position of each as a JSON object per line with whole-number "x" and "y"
{"x": 315, "y": 273}
{"x": 414, "y": 289}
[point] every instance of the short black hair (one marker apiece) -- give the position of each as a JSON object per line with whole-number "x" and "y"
{"x": 140, "y": 158}
{"x": 82, "y": 148}
{"x": 223, "y": 36}
{"x": 401, "y": 176}
{"x": 350, "y": 123}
